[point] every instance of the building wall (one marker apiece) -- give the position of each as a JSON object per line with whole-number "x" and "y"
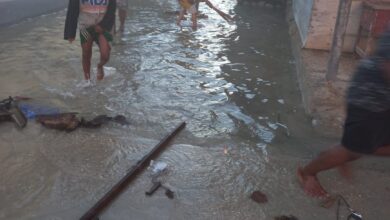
{"x": 302, "y": 10}
{"x": 316, "y": 20}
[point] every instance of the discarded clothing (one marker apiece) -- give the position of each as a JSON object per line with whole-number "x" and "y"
{"x": 102, "y": 119}
{"x": 10, "y": 111}
{"x": 69, "y": 121}
{"x": 63, "y": 122}
{"x": 32, "y": 110}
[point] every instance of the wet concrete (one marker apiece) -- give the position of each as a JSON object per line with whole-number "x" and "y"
{"x": 234, "y": 85}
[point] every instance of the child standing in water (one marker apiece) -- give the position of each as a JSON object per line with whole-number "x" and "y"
{"x": 95, "y": 19}
{"x": 122, "y": 13}
{"x": 192, "y": 6}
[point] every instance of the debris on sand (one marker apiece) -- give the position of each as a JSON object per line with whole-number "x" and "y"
{"x": 63, "y": 122}
{"x": 284, "y": 217}
{"x": 103, "y": 119}
{"x": 170, "y": 194}
{"x": 69, "y": 121}
{"x": 259, "y": 197}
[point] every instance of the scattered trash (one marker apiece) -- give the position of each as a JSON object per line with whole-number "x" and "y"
{"x": 169, "y": 194}
{"x": 63, "y": 122}
{"x": 259, "y": 197}
{"x": 69, "y": 121}
{"x": 102, "y": 119}
{"x": 225, "y": 150}
{"x": 330, "y": 201}
{"x": 158, "y": 168}
{"x": 153, "y": 189}
{"x": 353, "y": 214}
{"x": 284, "y": 217}
{"x": 10, "y": 111}
{"x": 32, "y": 110}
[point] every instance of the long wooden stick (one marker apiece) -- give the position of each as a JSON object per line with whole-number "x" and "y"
{"x": 116, "y": 190}
{"x": 225, "y": 16}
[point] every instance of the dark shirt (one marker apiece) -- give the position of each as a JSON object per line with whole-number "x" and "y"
{"x": 369, "y": 89}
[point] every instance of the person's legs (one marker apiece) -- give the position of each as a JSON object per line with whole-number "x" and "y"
{"x": 180, "y": 17}
{"x": 86, "y": 57}
{"x": 383, "y": 151}
{"x": 105, "y": 49}
{"x": 122, "y": 18}
{"x": 332, "y": 158}
{"x": 194, "y": 19}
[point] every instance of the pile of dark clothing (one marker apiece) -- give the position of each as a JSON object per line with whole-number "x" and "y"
{"x": 10, "y": 112}
{"x": 69, "y": 121}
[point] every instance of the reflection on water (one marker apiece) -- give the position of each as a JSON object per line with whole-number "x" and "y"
{"x": 233, "y": 84}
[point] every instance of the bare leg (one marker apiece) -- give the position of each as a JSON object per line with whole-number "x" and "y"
{"x": 122, "y": 18}
{"x": 332, "y": 158}
{"x": 194, "y": 19}
{"x": 345, "y": 170}
{"x": 86, "y": 58}
{"x": 105, "y": 49}
{"x": 383, "y": 151}
{"x": 180, "y": 17}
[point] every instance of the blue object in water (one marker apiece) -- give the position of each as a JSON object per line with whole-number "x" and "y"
{"x": 31, "y": 111}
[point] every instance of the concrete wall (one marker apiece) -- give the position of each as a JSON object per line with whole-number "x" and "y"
{"x": 316, "y": 20}
{"x": 302, "y": 10}
{"x": 12, "y": 11}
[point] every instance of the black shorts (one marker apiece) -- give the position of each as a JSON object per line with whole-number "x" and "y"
{"x": 366, "y": 131}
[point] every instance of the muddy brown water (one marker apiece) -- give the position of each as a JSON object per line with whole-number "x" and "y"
{"x": 234, "y": 85}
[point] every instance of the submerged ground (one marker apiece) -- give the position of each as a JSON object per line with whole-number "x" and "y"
{"x": 234, "y": 85}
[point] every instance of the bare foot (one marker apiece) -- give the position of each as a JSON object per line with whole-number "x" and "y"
{"x": 311, "y": 185}
{"x": 100, "y": 73}
{"x": 87, "y": 76}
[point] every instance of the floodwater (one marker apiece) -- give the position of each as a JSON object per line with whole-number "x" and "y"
{"x": 234, "y": 85}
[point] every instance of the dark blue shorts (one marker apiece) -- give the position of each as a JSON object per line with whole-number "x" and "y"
{"x": 366, "y": 131}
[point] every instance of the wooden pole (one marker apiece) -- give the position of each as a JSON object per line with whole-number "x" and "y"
{"x": 338, "y": 39}
{"x": 109, "y": 197}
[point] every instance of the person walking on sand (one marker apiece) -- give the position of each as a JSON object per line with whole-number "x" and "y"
{"x": 95, "y": 20}
{"x": 192, "y": 6}
{"x": 367, "y": 125}
{"x": 122, "y": 13}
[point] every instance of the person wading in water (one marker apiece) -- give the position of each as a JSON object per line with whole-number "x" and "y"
{"x": 95, "y": 19}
